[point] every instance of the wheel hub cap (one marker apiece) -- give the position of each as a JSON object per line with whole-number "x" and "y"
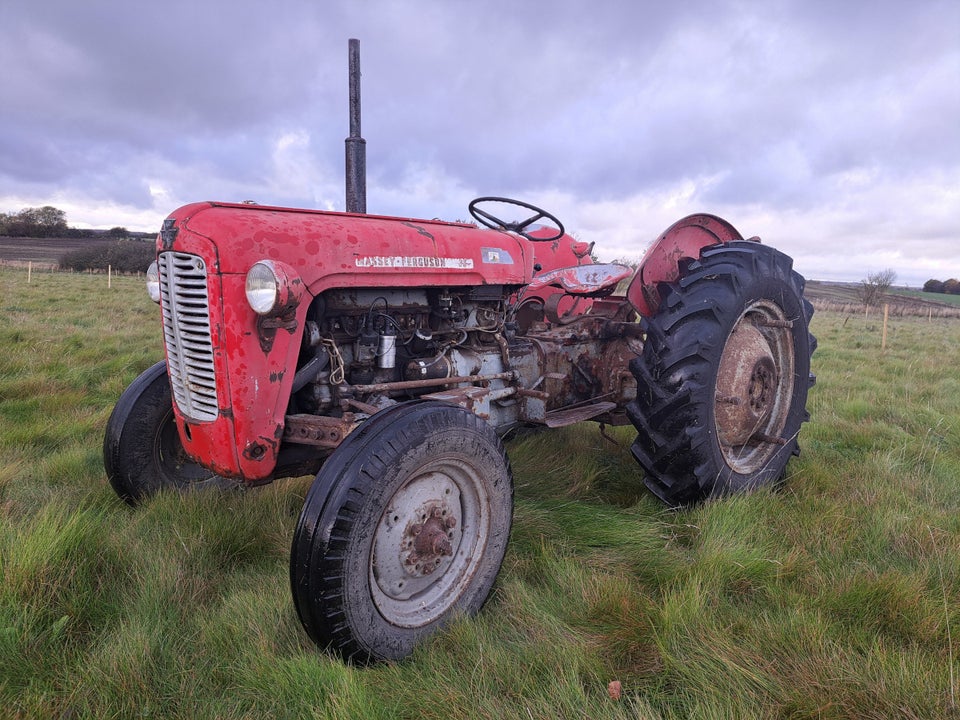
{"x": 746, "y": 385}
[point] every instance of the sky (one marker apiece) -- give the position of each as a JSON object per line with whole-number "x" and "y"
{"x": 829, "y": 128}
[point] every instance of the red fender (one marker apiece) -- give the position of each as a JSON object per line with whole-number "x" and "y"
{"x": 661, "y": 263}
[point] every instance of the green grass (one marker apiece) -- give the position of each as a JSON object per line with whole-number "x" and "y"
{"x": 933, "y": 297}
{"x": 835, "y": 596}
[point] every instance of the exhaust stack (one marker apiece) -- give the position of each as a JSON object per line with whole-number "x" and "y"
{"x": 356, "y": 146}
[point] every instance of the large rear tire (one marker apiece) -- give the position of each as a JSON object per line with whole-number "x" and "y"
{"x": 142, "y": 452}
{"x": 723, "y": 377}
{"x": 404, "y": 528}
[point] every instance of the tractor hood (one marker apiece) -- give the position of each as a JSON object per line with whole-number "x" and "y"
{"x": 331, "y": 249}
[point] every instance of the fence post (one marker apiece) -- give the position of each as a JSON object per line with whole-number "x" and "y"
{"x": 29, "y": 270}
{"x": 109, "y": 276}
{"x": 886, "y": 314}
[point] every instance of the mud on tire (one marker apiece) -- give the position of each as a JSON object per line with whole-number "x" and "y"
{"x": 723, "y": 377}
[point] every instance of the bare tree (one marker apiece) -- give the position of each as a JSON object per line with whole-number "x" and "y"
{"x": 875, "y": 287}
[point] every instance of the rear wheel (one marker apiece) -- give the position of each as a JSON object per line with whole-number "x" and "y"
{"x": 723, "y": 378}
{"x": 404, "y": 528}
{"x": 142, "y": 452}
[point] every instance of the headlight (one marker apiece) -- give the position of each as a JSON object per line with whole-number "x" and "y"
{"x": 153, "y": 282}
{"x": 262, "y": 288}
{"x": 273, "y": 288}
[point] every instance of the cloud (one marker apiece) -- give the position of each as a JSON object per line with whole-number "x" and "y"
{"x": 811, "y": 123}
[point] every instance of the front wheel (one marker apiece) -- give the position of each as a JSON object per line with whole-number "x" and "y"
{"x": 723, "y": 378}
{"x": 404, "y": 528}
{"x": 142, "y": 452}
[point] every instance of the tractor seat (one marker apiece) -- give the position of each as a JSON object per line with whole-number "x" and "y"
{"x": 583, "y": 279}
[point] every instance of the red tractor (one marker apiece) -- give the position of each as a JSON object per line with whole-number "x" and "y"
{"x": 388, "y": 356}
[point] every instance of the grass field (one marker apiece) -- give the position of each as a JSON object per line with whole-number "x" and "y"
{"x": 836, "y": 596}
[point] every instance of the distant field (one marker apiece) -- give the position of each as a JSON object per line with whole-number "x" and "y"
{"x": 842, "y": 297}
{"x": 934, "y": 297}
{"x": 835, "y": 596}
{"x": 42, "y": 252}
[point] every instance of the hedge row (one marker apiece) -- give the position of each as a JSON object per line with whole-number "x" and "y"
{"x": 124, "y": 256}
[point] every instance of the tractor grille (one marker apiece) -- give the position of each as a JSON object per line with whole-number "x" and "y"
{"x": 186, "y": 331}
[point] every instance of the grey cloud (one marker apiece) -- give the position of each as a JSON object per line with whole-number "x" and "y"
{"x": 810, "y": 107}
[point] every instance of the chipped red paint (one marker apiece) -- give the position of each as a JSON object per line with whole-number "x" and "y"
{"x": 582, "y": 279}
{"x": 684, "y": 239}
{"x": 242, "y": 441}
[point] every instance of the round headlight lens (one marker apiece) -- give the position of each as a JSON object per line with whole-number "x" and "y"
{"x": 153, "y": 282}
{"x": 262, "y": 288}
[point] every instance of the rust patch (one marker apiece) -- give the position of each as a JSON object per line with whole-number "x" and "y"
{"x": 428, "y": 541}
{"x": 255, "y": 451}
{"x": 419, "y": 230}
{"x": 746, "y": 385}
{"x": 318, "y": 430}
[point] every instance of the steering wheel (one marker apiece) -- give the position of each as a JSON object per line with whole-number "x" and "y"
{"x": 492, "y": 221}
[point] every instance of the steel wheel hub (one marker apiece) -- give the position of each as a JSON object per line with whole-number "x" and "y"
{"x": 746, "y": 385}
{"x": 428, "y": 539}
{"x": 754, "y": 387}
{"x": 428, "y": 543}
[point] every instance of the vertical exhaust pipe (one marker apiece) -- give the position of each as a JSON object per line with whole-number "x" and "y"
{"x": 356, "y": 146}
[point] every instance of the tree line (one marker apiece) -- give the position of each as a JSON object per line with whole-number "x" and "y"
{"x": 949, "y": 287}
{"x": 130, "y": 253}
{"x": 50, "y": 222}
{"x": 46, "y": 221}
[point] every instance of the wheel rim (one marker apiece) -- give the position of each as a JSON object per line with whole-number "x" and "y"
{"x": 428, "y": 542}
{"x": 755, "y": 387}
